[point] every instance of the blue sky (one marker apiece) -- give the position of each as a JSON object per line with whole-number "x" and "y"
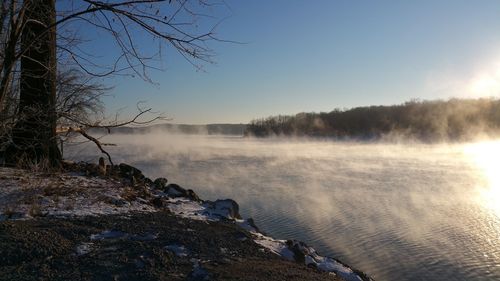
{"x": 319, "y": 55}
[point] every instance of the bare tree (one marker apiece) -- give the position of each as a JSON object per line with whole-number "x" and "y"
{"x": 28, "y": 56}
{"x": 79, "y": 99}
{"x": 34, "y": 134}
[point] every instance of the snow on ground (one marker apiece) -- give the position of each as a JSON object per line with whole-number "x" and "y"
{"x": 117, "y": 234}
{"x": 25, "y": 195}
{"x": 284, "y": 249}
{"x": 84, "y": 249}
{"x": 222, "y": 209}
{"x": 178, "y": 250}
{"x": 208, "y": 211}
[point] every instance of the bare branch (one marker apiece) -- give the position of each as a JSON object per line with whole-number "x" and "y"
{"x": 94, "y": 140}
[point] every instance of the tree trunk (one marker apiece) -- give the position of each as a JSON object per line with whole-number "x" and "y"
{"x": 34, "y": 136}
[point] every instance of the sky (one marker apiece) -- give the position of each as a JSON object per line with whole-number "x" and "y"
{"x": 314, "y": 56}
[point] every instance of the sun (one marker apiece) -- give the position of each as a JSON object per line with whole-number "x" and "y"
{"x": 486, "y": 83}
{"x": 486, "y": 156}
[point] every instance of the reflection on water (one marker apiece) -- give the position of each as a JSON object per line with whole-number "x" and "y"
{"x": 486, "y": 156}
{"x": 398, "y": 212}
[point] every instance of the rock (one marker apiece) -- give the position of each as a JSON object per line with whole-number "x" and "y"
{"x": 193, "y": 196}
{"x": 102, "y": 166}
{"x": 160, "y": 183}
{"x": 299, "y": 249}
{"x": 298, "y": 255}
{"x": 131, "y": 173}
{"x": 174, "y": 190}
{"x": 88, "y": 169}
{"x": 226, "y": 208}
{"x": 128, "y": 170}
{"x": 231, "y": 206}
{"x": 148, "y": 182}
{"x": 251, "y": 222}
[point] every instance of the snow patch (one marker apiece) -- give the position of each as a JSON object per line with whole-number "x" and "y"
{"x": 117, "y": 234}
{"x": 286, "y": 250}
{"x": 178, "y": 250}
{"x": 83, "y": 249}
{"x": 275, "y": 246}
{"x": 24, "y": 195}
{"x": 208, "y": 211}
{"x": 214, "y": 211}
{"x": 109, "y": 234}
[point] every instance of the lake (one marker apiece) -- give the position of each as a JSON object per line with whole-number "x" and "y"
{"x": 397, "y": 211}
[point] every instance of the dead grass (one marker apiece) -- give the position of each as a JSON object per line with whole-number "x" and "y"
{"x": 37, "y": 194}
{"x": 36, "y": 211}
{"x": 42, "y": 166}
{"x": 69, "y": 205}
{"x": 142, "y": 192}
{"x": 129, "y": 194}
{"x": 9, "y": 212}
{"x": 60, "y": 190}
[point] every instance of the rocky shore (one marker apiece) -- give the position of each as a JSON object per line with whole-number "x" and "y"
{"x": 96, "y": 222}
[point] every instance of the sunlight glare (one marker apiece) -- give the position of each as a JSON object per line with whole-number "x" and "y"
{"x": 486, "y": 156}
{"x": 486, "y": 84}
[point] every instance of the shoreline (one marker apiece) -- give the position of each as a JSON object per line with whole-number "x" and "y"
{"x": 84, "y": 192}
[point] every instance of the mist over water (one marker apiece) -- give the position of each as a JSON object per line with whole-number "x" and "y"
{"x": 395, "y": 211}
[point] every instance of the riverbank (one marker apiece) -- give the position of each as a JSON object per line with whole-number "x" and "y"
{"x": 95, "y": 224}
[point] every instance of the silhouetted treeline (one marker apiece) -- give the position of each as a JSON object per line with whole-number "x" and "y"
{"x": 455, "y": 119}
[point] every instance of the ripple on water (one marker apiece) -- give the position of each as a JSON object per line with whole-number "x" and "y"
{"x": 397, "y": 212}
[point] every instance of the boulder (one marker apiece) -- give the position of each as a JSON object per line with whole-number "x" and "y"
{"x": 227, "y": 208}
{"x": 193, "y": 196}
{"x": 300, "y": 250}
{"x": 174, "y": 190}
{"x": 102, "y": 166}
{"x": 160, "y": 183}
{"x": 148, "y": 182}
{"x": 131, "y": 173}
{"x": 298, "y": 254}
{"x": 251, "y": 222}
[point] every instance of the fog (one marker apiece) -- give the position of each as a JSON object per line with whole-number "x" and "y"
{"x": 398, "y": 211}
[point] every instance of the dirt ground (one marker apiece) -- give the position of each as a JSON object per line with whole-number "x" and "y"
{"x": 138, "y": 246}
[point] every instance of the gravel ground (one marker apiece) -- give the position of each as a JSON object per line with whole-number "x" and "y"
{"x": 138, "y": 246}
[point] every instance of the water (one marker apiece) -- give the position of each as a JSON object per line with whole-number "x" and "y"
{"x": 395, "y": 211}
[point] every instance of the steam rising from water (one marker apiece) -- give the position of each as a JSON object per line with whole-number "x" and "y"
{"x": 398, "y": 212}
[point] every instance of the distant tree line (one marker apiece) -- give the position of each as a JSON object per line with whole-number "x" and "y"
{"x": 188, "y": 129}
{"x": 454, "y": 119}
